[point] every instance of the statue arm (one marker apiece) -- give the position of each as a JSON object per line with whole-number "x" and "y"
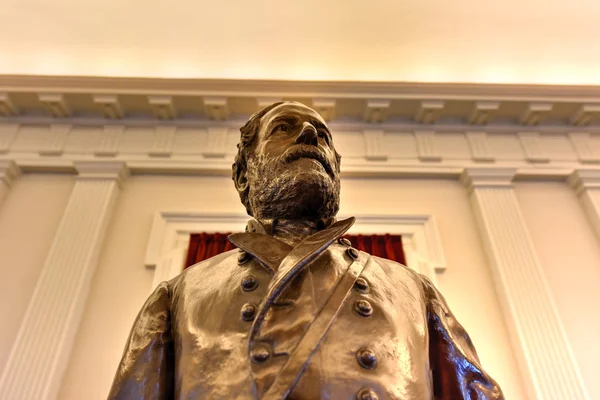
{"x": 147, "y": 366}
{"x": 455, "y": 367}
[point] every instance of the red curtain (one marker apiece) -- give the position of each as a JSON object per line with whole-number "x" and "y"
{"x": 207, "y": 245}
{"x": 384, "y": 246}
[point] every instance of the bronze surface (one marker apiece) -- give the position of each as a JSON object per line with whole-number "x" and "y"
{"x": 296, "y": 313}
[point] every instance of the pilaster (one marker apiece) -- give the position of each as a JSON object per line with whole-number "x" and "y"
{"x": 545, "y": 356}
{"x": 586, "y": 184}
{"x": 41, "y": 351}
{"x": 8, "y": 173}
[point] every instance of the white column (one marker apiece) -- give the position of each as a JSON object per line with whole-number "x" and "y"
{"x": 587, "y": 187}
{"x": 8, "y": 172}
{"x": 538, "y": 337}
{"x": 40, "y": 353}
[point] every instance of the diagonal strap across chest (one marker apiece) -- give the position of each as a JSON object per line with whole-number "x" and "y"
{"x": 284, "y": 270}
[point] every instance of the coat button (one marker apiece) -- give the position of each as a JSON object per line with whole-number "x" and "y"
{"x": 249, "y": 283}
{"x": 363, "y": 307}
{"x": 243, "y": 258}
{"x": 248, "y": 311}
{"x": 259, "y": 354}
{"x": 345, "y": 242}
{"x": 366, "y": 394}
{"x": 352, "y": 252}
{"x": 361, "y": 285}
{"x": 366, "y": 358}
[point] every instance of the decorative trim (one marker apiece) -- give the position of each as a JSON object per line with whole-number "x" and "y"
{"x": 162, "y": 107}
{"x": 478, "y": 145}
{"x": 111, "y": 105}
{"x": 110, "y": 140}
{"x": 585, "y": 114}
{"x": 585, "y": 152}
{"x": 102, "y": 170}
{"x": 164, "y": 137}
{"x": 217, "y": 143}
{"x": 426, "y": 146}
{"x": 171, "y": 230}
{"x": 56, "y": 104}
{"x": 534, "y": 113}
{"x": 7, "y": 106}
{"x": 8, "y": 133}
{"x": 548, "y": 365}
{"x": 9, "y": 171}
{"x": 531, "y": 146}
{"x": 56, "y": 140}
{"x": 474, "y": 178}
{"x": 586, "y": 184}
{"x": 376, "y": 110}
{"x": 215, "y": 107}
{"x": 373, "y": 145}
{"x": 325, "y": 107}
{"x": 429, "y": 111}
{"x": 483, "y": 111}
{"x": 41, "y": 351}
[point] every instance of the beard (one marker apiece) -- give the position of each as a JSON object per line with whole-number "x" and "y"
{"x": 292, "y": 187}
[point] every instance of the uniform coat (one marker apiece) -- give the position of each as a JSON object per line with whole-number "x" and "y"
{"x": 242, "y": 325}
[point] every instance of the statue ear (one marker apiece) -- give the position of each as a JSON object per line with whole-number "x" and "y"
{"x": 240, "y": 178}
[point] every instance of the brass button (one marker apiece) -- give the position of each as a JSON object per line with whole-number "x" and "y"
{"x": 363, "y": 307}
{"x": 248, "y": 311}
{"x": 345, "y": 242}
{"x": 259, "y": 354}
{"x": 249, "y": 283}
{"x": 352, "y": 252}
{"x": 243, "y": 258}
{"x": 366, "y": 358}
{"x": 366, "y": 394}
{"x": 362, "y": 285}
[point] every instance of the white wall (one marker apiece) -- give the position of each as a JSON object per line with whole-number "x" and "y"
{"x": 29, "y": 217}
{"x": 512, "y": 41}
{"x": 121, "y": 283}
{"x": 570, "y": 255}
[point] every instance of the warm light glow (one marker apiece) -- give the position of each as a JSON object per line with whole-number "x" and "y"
{"x": 496, "y": 42}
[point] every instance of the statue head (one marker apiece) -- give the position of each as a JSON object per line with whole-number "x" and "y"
{"x": 287, "y": 166}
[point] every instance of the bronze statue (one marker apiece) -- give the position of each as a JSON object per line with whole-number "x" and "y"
{"x": 295, "y": 312}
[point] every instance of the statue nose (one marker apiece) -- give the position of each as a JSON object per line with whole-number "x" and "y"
{"x": 308, "y": 135}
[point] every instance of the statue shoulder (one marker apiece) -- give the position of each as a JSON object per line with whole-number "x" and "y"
{"x": 205, "y": 266}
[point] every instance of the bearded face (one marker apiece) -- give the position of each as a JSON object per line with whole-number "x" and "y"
{"x": 293, "y": 170}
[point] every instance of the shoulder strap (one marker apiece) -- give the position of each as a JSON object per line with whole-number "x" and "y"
{"x": 291, "y": 372}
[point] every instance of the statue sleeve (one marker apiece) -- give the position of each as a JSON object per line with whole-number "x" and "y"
{"x": 455, "y": 367}
{"x": 147, "y": 366}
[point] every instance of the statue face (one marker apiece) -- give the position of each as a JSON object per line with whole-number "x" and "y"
{"x": 293, "y": 171}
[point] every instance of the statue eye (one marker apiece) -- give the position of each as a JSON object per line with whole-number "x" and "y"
{"x": 323, "y": 135}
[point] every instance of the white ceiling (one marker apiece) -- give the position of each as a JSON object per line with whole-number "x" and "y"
{"x": 510, "y": 41}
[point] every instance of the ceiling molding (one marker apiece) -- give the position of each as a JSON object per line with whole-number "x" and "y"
{"x": 198, "y": 101}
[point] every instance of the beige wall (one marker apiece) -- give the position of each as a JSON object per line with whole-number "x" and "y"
{"x": 29, "y": 218}
{"x": 567, "y": 248}
{"x": 570, "y": 255}
{"x": 121, "y": 283}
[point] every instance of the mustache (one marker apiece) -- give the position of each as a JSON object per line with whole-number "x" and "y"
{"x": 299, "y": 151}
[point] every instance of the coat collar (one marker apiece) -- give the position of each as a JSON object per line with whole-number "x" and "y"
{"x": 270, "y": 252}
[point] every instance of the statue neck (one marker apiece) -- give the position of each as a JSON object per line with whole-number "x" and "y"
{"x": 293, "y": 231}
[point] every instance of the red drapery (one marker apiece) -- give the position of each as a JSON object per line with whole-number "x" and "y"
{"x": 206, "y": 245}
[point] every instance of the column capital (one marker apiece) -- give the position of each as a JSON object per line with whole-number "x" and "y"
{"x": 582, "y": 179}
{"x": 106, "y": 170}
{"x": 9, "y": 171}
{"x": 487, "y": 177}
